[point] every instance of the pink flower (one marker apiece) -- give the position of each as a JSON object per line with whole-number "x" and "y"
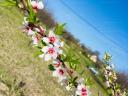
{"x": 60, "y": 73}
{"x": 81, "y": 90}
{"x": 28, "y": 27}
{"x": 53, "y": 39}
{"x": 37, "y": 5}
{"x": 35, "y": 40}
{"x": 50, "y": 52}
{"x": 57, "y": 63}
{"x": 40, "y": 30}
{"x": 30, "y": 32}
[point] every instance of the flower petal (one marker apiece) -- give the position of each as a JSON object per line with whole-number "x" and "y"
{"x": 47, "y": 57}
{"x": 30, "y": 32}
{"x": 51, "y": 34}
{"x": 45, "y": 49}
{"x": 60, "y": 51}
{"x": 55, "y": 73}
{"x": 62, "y": 44}
{"x": 78, "y": 93}
{"x": 40, "y": 5}
{"x": 45, "y": 39}
{"x": 54, "y": 55}
{"x": 41, "y": 56}
{"x": 80, "y": 86}
{"x": 33, "y": 3}
{"x": 34, "y": 41}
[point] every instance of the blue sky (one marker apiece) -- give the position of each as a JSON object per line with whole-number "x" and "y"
{"x": 108, "y": 16}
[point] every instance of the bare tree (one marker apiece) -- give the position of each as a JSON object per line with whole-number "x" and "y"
{"x": 122, "y": 80}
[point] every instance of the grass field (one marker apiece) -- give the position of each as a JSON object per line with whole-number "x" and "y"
{"x": 24, "y": 74}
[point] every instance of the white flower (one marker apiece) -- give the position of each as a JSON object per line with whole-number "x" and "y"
{"x": 53, "y": 39}
{"x": 30, "y": 32}
{"x": 108, "y": 67}
{"x": 40, "y": 29}
{"x": 110, "y": 73}
{"x": 46, "y": 40}
{"x": 81, "y": 90}
{"x": 50, "y": 52}
{"x": 107, "y": 83}
{"x": 37, "y": 5}
{"x": 60, "y": 73}
{"x": 57, "y": 63}
{"x": 106, "y": 76}
{"x": 28, "y": 28}
{"x": 35, "y": 40}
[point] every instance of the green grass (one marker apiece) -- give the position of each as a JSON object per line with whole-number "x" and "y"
{"x": 18, "y": 64}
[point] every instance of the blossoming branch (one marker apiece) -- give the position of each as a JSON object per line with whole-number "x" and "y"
{"x": 51, "y": 46}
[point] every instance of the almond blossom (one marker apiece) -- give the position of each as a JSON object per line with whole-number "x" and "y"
{"x": 37, "y": 4}
{"x": 50, "y": 52}
{"x": 81, "y": 90}
{"x": 53, "y": 39}
{"x": 108, "y": 68}
{"x": 30, "y": 32}
{"x": 28, "y": 27}
{"x": 35, "y": 40}
{"x": 40, "y": 29}
{"x": 57, "y": 63}
{"x": 60, "y": 73}
{"x": 107, "y": 83}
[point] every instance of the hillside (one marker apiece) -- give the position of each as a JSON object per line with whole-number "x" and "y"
{"x": 26, "y": 75}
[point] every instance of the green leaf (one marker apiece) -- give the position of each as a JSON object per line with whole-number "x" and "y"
{"x": 88, "y": 81}
{"x": 51, "y": 67}
{"x": 59, "y": 29}
{"x": 44, "y": 44}
{"x": 41, "y": 44}
{"x": 37, "y": 53}
{"x": 32, "y": 15}
{"x": 72, "y": 60}
{"x": 72, "y": 81}
{"x": 107, "y": 57}
{"x": 75, "y": 61}
{"x": 63, "y": 58}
